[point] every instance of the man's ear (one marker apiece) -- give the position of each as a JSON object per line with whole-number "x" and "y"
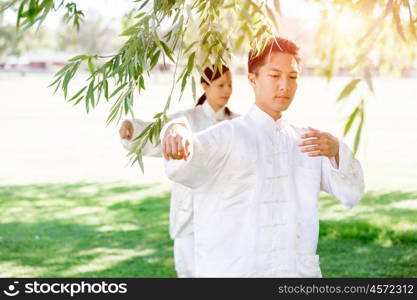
{"x": 252, "y": 79}
{"x": 205, "y": 86}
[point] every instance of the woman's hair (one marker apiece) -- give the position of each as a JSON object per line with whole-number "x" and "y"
{"x": 212, "y": 76}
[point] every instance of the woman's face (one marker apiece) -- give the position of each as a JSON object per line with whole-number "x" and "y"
{"x": 218, "y": 93}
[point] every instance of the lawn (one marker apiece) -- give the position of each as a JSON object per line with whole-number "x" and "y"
{"x": 113, "y": 230}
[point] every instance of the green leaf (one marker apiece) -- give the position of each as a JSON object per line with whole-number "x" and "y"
{"x": 358, "y": 133}
{"x": 140, "y": 162}
{"x": 77, "y": 94}
{"x": 140, "y": 15}
{"x": 193, "y": 88}
{"x": 350, "y": 121}
{"x": 151, "y": 134}
{"x": 19, "y": 14}
{"x": 144, "y": 4}
{"x": 184, "y": 82}
{"x": 158, "y": 115}
{"x": 167, "y": 104}
{"x": 62, "y": 70}
{"x": 145, "y": 131}
{"x": 90, "y": 96}
{"x": 261, "y": 31}
{"x": 368, "y": 79}
{"x": 106, "y": 88}
{"x": 167, "y": 51}
{"x": 57, "y": 78}
{"x": 202, "y": 73}
{"x": 141, "y": 82}
{"x": 154, "y": 59}
{"x": 126, "y": 103}
{"x": 115, "y": 108}
{"x": 78, "y": 100}
{"x": 190, "y": 46}
{"x": 167, "y": 36}
{"x": 130, "y": 31}
{"x": 190, "y": 63}
{"x": 90, "y": 65}
{"x": 118, "y": 89}
{"x": 79, "y": 57}
{"x": 239, "y": 42}
{"x": 93, "y": 102}
{"x": 348, "y": 89}
{"x": 219, "y": 66}
{"x": 67, "y": 78}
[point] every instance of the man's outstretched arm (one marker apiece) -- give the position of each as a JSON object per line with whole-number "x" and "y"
{"x": 194, "y": 159}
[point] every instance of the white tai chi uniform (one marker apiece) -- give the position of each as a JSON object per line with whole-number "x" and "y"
{"x": 256, "y": 197}
{"x": 181, "y": 210}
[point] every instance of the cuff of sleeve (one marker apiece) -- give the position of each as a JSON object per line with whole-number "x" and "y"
{"x": 344, "y": 160}
{"x": 138, "y": 126}
{"x": 175, "y": 169}
{"x": 178, "y": 120}
{"x": 162, "y": 135}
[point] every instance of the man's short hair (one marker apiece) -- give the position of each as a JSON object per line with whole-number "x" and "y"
{"x": 275, "y": 44}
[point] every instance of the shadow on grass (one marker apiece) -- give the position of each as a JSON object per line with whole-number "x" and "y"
{"x": 377, "y": 238}
{"x": 110, "y": 230}
{"x": 121, "y": 237}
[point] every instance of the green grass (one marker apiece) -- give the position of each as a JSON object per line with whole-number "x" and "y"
{"x": 377, "y": 238}
{"x": 109, "y": 230}
{"x": 85, "y": 230}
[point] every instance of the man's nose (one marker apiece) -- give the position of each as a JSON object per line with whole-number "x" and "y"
{"x": 283, "y": 84}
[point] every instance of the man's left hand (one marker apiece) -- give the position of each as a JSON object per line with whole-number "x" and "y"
{"x": 320, "y": 144}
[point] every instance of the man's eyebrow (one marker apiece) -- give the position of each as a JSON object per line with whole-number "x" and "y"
{"x": 278, "y": 70}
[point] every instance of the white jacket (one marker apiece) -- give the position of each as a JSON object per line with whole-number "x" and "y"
{"x": 181, "y": 210}
{"x": 256, "y": 197}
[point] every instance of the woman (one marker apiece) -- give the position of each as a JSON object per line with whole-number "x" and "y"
{"x": 210, "y": 109}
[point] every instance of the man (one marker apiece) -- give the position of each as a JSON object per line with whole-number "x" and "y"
{"x": 257, "y": 179}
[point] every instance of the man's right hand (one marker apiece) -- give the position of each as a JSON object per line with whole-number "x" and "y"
{"x": 126, "y": 130}
{"x": 176, "y": 142}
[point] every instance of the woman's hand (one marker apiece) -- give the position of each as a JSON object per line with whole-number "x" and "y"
{"x": 126, "y": 130}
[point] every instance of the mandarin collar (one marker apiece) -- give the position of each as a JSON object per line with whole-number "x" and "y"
{"x": 219, "y": 115}
{"x": 265, "y": 121}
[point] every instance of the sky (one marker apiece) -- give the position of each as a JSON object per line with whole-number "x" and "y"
{"x": 112, "y": 10}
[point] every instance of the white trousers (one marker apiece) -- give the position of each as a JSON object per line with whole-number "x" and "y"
{"x": 184, "y": 255}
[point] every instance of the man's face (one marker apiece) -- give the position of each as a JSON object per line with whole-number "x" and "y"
{"x": 275, "y": 83}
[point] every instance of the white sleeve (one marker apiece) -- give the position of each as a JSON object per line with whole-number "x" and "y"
{"x": 345, "y": 182}
{"x": 149, "y": 149}
{"x": 209, "y": 150}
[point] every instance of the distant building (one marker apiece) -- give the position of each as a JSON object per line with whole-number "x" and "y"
{"x": 42, "y": 60}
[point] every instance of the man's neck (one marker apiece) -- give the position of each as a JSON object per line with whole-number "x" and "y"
{"x": 275, "y": 115}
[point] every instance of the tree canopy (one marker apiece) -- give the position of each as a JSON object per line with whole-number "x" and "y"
{"x": 380, "y": 38}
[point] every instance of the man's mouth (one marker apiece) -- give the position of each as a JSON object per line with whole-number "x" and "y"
{"x": 283, "y": 97}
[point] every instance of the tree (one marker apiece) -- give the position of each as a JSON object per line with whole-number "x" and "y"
{"x": 93, "y": 37}
{"x": 16, "y": 44}
{"x": 207, "y": 32}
